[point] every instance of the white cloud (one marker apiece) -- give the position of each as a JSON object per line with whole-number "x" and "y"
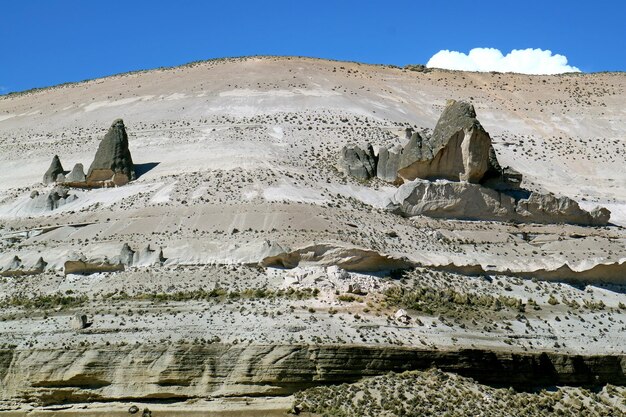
{"x": 524, "y": 61}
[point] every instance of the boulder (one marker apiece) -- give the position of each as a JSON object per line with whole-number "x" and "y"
{"x": 454, "y": 200}
{"x": 357, "y": 162}
{"x": 113, "y": 162}
{"x": 79, "y": 321}
{"x": 547, "y": 208}
{"x": 77, "y": 174}
{"x": 458, "y": 149}
{"x": 401, "y": 316}
{"x": 466, "y": 201}
{"x": 53, "y": 172}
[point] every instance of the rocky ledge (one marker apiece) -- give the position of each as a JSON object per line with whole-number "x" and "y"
{"x": 183, "y": 372}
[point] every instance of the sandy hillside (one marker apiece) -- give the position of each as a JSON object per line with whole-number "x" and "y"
{"x": 252, "y": 251}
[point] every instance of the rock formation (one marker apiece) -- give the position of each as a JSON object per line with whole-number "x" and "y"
{"x": 58, "y": 197}
{"x": 388, "y": 162}
{"x": 148, "y": 256}
{"x": 113, "y": 162}
{"x": 127, "y": 255}
{"x": 52, "y": 200}
{"x": 461, "y": 200}
{"x": 17, "y": 268}
{"x": 458, "y": 150}
{"x": 175, "y": 372}
{"x": 547, "y": 208}
{"x": 78, "y": 263}
{"x": 77, "y": 174}
{"x": 346, "y": 258}
{"x": 79, "y": 321}
{"x": 358, "y": 162}
{"x": 54, "y": 171}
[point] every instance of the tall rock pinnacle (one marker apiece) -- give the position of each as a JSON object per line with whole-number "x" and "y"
{"x": 53, "y": 172}
{"x": 113, "y": 161}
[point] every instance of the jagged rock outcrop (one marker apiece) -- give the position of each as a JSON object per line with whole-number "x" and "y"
{"x": 77, "y": 263}
{"x": 358, "y": 162}
{"x": 148, "y": 256}
{"x": 186, "y": 371}
{"x": 347, "y": 258}
{"x": 77, "y": 174}
{"x": 113, "y": 162}
{"x": 461, "y": 200}
{"x": 16, "y": 268}
{"x": 59, "y": 197}
{"x": 457, "y": 200}
{"x": 127, "y": 255}
{"x": 388, "y": 162}
{"x": 52, "y": 200}
{"x": 547, "y": 208}
{"x": 458, "y": 149}
{"x": 54, "y": 171}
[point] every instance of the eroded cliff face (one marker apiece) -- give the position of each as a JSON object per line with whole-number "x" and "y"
{"x": 182, "y": 372}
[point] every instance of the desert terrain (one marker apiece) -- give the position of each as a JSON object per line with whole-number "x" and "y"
{"x": 243, "y": 269}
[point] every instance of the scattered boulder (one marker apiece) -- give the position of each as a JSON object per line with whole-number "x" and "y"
{"x": 79, "y": 321}
{"x": 54, "y": 171}
{"x": 77, "y": 174}
{"x": 358, "y": 162}
{"x": 113, "y": 162}
{"x": 133, "y": 409}
{"x": 34, "y": 194}
{"x": 402, "y": 316}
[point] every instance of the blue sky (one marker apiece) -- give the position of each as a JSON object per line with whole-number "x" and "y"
{"x": 51, "y": 42}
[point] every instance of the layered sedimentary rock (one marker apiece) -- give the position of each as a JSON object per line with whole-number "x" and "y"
{"x": 347, "y": 258}
{"x": 197, "y": 370}
{"x": 113, "y": 162}
{"x": 53, "y": 172}
{"x": 461, "y": 200}
{"x": 358, "y": 162}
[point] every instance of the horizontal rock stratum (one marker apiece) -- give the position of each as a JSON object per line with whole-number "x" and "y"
{"x": 187, "y": 372}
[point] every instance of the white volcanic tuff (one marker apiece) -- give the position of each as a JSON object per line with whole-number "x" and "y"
{"x": 460, "y": 200}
